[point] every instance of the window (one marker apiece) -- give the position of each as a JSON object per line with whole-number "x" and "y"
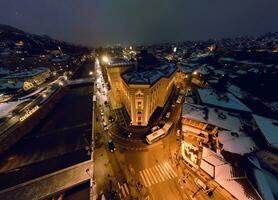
{"x": 139, "y": 112}
{"x": 139, "y": 118}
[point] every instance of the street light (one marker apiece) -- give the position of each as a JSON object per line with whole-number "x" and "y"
{"x": 105, "y": 59}
{"x": 90, "y": 73}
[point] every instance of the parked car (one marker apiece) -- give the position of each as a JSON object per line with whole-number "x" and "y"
{"x": 168, "y": 114}
{"x": 105, "y": 127}
{"x": 111, "y": 146}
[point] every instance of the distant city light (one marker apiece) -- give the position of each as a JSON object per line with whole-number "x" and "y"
{"x": 175, "y": 49}
{"x": 195, "y": 72}
{"x": 90, "y": 73}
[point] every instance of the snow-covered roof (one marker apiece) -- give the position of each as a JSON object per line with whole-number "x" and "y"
{"x": 116, "y": 61}
{"x": 241, "y": 72}
{"x": 187, "y": 68}
{"x": 203, "y": 69}
{"x": 232, "y": 179}
{"x": 149, "y": 76}
{"x": 227, "y": 59}
{"x": 238, "y": 142}
{"x": 198, "y": 113}
{"x": 4, "y": 71}
{"x": 14, "y": 85}
{"x": 6, "y": 108}
{"x": 269, "y": 128}
{"x": 29, "y": 73}
{"x": 261, "y": 180}
{"x": 236, "y": 91}
{"x": 224, "y": 100}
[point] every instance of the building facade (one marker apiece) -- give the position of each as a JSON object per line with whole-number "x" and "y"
{"x": 141, "y": 90}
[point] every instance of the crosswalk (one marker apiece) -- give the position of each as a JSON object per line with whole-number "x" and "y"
{"x": 157, "y": 174}
{"x": 123, "y": 191}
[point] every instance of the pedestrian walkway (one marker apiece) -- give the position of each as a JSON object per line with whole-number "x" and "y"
{"x": 123, "y": 191}
{"x": 157, "y": 174}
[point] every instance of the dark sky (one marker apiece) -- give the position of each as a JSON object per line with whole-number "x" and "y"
{"x": 99, "y": 22}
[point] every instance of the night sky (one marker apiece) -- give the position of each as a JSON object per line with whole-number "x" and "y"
{"x": 99, "y": 22}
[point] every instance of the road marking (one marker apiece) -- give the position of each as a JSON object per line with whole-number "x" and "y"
{"x": 159, "y": 172}
{"x": 151, "y": 178}
{"x": 147, "y": 177}
{"x": 143, "y": 178}
{"x": 156, "y": 174}
{"x": 166, "y": 176}
{"x": 153, "y": 175}
{"x": 171, "y": 169}
{"x": 126, "y": 189}
{"x": 123, "y": 191}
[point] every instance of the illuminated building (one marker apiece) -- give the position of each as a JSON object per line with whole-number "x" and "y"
{"x": 141, "y": 88}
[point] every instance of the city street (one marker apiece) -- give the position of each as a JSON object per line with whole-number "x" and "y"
{"x": 147, "y": 172}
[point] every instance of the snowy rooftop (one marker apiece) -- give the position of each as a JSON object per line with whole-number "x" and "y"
{"x": 187, "y": 68}
{"x": 231, "y": 178}
{"x": 227, "y": 59}
{"x": 28, "y": 73}
{"x": 149, "y": 76}
{"x": 269, "y": 128}
{"x": 265, "y": 180}
{"x": 217, "y": 117}
{"x": 238, "y": 143}
{"x": 224, "y": 100}
{"x": 4, "y": 71}
{"x": 7, "y": 108}
{"x": 203, "y": 69}
{"x": 113, "y": 62}
{"x": 236, "y": 91}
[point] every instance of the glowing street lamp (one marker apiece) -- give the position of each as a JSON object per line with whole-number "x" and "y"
{"x": 105, "y": 59}
{"x": 195, "y": 72}
{"x": 90, "y": 73}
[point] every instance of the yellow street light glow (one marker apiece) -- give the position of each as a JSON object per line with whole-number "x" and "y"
{"x": 195, "y": 72}
{"x": 90, "y": 73}
{"x": 105, "y": 59}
